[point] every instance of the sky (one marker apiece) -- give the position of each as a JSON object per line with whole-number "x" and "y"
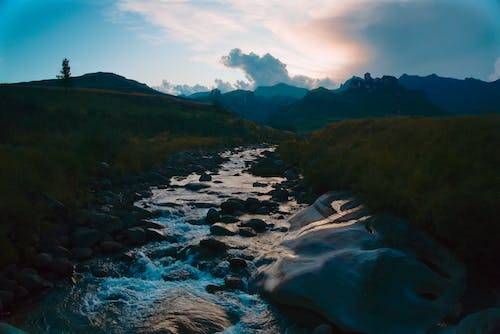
{"x": 185, "y": 46}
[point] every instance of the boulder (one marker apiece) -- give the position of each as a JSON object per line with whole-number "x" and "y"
{"x": 30, "y": 279}
{"x": 205, "y": 177}
{"x": 212, "y": 216}
{"x": 184, "y": 313}
{"x": 213, "y": 245}
{"x": 482, "y": 322}
{"x": 376, "y": 275}
{"x": 233, "y": 205}
{"x": 135, "y": 235}
{"x": 59, "y": 251}
{"x": 234, "y": 283}
{"x": 109, "y": 247}
{"x": 246, "y": 232}
{"x": 228, "y": 219}
{"x": 43, "y": 261}
{"x": 258, "y": 225}
{"x": 252, "y": 204}
{"x": 221, "y": 229}
{"x": 153, "y": 234}
{"x": 105, "y": 222}
{"x": 194, "y": 186}
{"x": 237, "y": 264}
{"x": 86, "y": 237}
{"x": 63, "y": 267}
{"x": 8, "y": 329}
{"x": 82, "y": 253}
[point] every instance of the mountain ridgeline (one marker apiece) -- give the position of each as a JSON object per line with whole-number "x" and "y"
{"x": 293, "y": 108}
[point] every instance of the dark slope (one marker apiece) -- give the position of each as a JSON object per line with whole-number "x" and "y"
{"x": 469, "y": 96}
{"x": 360, "y": 98}
{"x": 99, "y": 80}
{"x": 281, "y": 89}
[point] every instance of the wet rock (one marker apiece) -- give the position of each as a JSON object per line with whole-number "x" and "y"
{"x": 213, "y": 245}
{"x": 482, "y": 322}
{"x": 194, "y": 186}
{"x": 135, "y": 235}
{"x": 82, "y": 253}
{"x": 43, "y": 261}
{"x": 6, "y": 298}
{"x": 179, "y": 275}
{"x": 252, "y": 204}
{"x": 212, "y": 216}
{"x": 148, "y": 224}
{"x": 258, "y": 225}
{"x": 247, "y": 232}
{"x": 280, "y": 195}
{"x": 212, "y": 288}
{"x": 8, "y": 329}
{"x": 86, "y": 237}
{"x": 205, "y": 177}
{"x": 170, "y": 251}
{"x": 59, "y": 251}
{"x": 183, "y": 313}
{"x": 63, "y": 267}
{"x": 259, "y": 185}
{"x": 228, "y": 219}
{"x": 281, "y": 229}
{"x": 221, "y": 229}
{"x": 351, "y": 204}
{"x": 291, "y": 174}
{"x": 233, "y": 205}
{"x": 153, "y": 234}
{"x": 30, "y": 279}
{"x": 234, "y": 283}
{"x": 203, "y": 205}
{"x": 384, "y": 275}
{"x": 236, "y": 264}
{"x": 323, "y": 329}
{"x": 109, "y": 247}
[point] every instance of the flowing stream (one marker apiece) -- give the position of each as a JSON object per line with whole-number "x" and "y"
{"x": 135, "y": 295}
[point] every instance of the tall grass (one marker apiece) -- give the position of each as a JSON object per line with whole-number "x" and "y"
{"x": 441, "y": 173}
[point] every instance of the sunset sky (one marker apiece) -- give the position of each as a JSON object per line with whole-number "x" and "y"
{"x": 187, "y": 46}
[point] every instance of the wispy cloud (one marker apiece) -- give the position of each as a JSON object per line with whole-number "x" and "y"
{"x": 325, "y": 38}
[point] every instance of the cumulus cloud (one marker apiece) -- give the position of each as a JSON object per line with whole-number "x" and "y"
{"x": 186, "y": 90}
{"x": 267, "y": 70}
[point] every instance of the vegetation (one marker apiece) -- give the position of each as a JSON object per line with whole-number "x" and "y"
{"x": 440, "y": 173}
{"x": 65, "y": 74}
{"x": 52, "y": 141}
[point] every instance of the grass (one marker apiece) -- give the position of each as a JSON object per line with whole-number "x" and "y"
{"x": 52, "y": 141}
{"x": 440, "y": 173}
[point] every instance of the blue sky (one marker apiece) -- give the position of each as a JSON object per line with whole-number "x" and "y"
{"x": 248, "y": 43}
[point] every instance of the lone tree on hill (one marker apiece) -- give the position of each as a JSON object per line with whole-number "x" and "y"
{"x": 65, "y": 73}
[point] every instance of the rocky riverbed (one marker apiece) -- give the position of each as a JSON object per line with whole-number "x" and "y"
{"x": 229, "y": 242}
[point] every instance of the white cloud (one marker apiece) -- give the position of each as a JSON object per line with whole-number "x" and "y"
{"x": 496, "y": 72}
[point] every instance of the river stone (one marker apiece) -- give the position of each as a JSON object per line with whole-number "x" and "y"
{"x": 221, "y": 229}
{"x": 82, "y": 253}
{"x": 109, "y": 247}
{"x": 32, "y": 281}
{"x": 232, "y": 206}
{"x": 63, "y": 267}
{"x": 135, "y": 235}
{"x": 59, "y": 251}
{"x": 247, "y": 232}
{"x": 213, "y": 245}
{"x": 87, "y": 237}
{"x": 195, "y": 186}
{"x": 43, "y": 261}
{"x": 377, "y": 275}
{"x": 6, "y": 297}
{"x": 236, "y": 264}
{"x": 184, "y": 313}
{"x": 228, "y": 219}
{"x": 8, "y": 329}
{"x": 205, "y": 177}
{"x": 258, "y": 225}
{"x": 212, "y": 216}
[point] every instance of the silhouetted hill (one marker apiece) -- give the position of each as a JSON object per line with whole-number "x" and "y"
{"x": 281, "y": 89}
{"x": 469, "y": 96}
{"x": 247, "y": 104}
{"x": 99, "y": 80}
{"x": 358, "y": 98}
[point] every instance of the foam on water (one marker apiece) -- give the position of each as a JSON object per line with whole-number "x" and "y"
{"x": 122, "y": 299}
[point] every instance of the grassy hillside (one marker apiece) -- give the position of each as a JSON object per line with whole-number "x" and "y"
{"x": 52, "y": 142}
{"x": 441, "y": 173}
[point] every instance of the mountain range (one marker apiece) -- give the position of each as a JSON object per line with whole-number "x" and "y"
{"x": 289, "y": 107}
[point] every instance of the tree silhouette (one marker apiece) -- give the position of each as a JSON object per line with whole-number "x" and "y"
{"x": 65, "y": 73}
